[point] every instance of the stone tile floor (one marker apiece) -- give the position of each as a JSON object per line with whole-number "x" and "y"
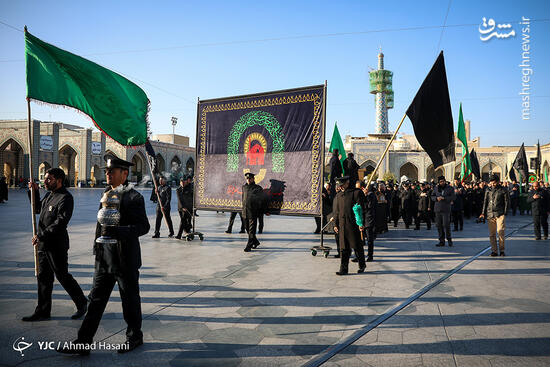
{"x": 209, "y": 303}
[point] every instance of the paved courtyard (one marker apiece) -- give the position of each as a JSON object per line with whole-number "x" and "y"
{"x": 210, "y": 304}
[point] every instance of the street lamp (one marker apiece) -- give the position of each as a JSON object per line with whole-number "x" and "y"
{"x": 174, "y": 123}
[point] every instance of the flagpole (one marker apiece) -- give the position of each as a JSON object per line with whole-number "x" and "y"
{"x": 323, "y": 156}
{"x": 385, "y": 151}
{"x": 31, "y": 180}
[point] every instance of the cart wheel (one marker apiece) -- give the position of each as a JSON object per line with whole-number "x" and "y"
{"x": 326, "y": 254}
{"x": 201, "y": 237}
{"x": 313, "y": 252}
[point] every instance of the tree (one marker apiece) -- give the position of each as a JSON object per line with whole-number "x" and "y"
{"x": 389, "y": 176}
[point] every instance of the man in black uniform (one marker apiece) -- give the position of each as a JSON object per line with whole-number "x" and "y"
{"x": 408, "y": 204}
{"x": 253, "y": 206}
{"x": 184, "y": 192}
{"x": 165, "y": 194}
{"x": 335, "y": 170}
{"x": 369, "y": 213}
{"x": 52, "y": 240}
{"x": 424, "y": 206}
{"x": 232, "y": 220}
{"x": 116, "y": 263}
{"x": 351, "y": 169}
{"x": 540, "y": 208}
{"x": 345, "y": 225}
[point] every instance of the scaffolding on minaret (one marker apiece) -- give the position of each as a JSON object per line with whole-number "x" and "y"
{"x": 381, "y": 86}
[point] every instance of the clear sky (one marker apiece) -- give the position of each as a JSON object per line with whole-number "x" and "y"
{"x": 178, "y": 51}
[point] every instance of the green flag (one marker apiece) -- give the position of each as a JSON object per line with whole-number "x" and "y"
{"x": 117, "y": 106}
{"x": 336, "y": 143}
{"x": 466, "y": 165}
{"x": 545, "y": 175}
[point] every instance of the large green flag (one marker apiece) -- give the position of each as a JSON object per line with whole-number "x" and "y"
{"x": 336, "y": 143}
{"x": 117, "y": 106}
{"x": 466, "y": 165}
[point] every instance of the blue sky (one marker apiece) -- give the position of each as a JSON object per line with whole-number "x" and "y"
{"x": 178, "y": 51}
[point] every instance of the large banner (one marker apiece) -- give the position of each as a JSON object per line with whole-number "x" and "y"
{"x": 276, "y": 135}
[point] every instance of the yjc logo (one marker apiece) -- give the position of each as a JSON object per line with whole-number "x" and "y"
{"x": 20, "y": 345}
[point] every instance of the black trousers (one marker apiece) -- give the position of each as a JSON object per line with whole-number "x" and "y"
{"x": 251, "y": 224}
{"x": 345, "y": 253}
{"x": 232, "y": 221}
{"x": 261, "y": 223}
{"x": 128, "y": 287}
{"x": 52, "y": 263}
{"x": 541, "y": 220}
{"x": 407, "y": 217}
{"x": 514, "y": 204}
{"x": 458, "y": 220}
{"x": 443, "y": 222}
{"x": 159, "y": 221}
{"x": 318, "y": 223}
{"x": 185, "y": 222}
{"x": 369, "y": 231}
{"x": 423, "y": 216}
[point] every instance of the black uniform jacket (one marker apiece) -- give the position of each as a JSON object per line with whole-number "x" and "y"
{"x": 56, "y": 210}
{"x": 408, "y": 201}
{"x": 344, "y": 217}
{"x": 369, "y": 209}
{"x": 253, "y": 200}
{"x": 424, "y": 201}
{"x": 126, "y": 254}
{"x": 165, "y": 194}
{"x": 541, "y": 205}
{"x": 185, "y": 197}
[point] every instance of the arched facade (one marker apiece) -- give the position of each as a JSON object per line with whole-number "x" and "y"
{"x": 68, "y": 162}
{"x": 409, "y": 170}
{"x": 14, "y": 163}
{"x": 489, "y": 169}
{"x": 139, "y": 168}
{"x": 433, "y": 175}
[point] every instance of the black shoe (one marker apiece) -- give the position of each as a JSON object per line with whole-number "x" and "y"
{"x": 178, "y": 237}
{"x": 450, "y": 243}
{"x": 355, "y": 260}
{"x": 502, "y": 253}
{"x": 132, "y": 344}
{"x": 81, "y": 311}
{"x": 337, "y": 256}
{"x": 537, "y": 238}
{"x": 242, "y": 231}
{"x": 360, "y": 270}
{"x": 260, "y": 231}
{"x": 494, "y": 254}
{"x": 75, "y": 347}
{"x": 171, "y": 235}
{"x": 35, "y": 317}
{"x": 440, "y": 244}
{"x": 156, "y": 235}
{"x": 228, "y": 231}
{"x": 369, "y": 259}
{"x": 341, "y": 272}
{"x": 416, "y": 228}
{"x": 247, "y": 249}
{"x": 545, "y": 237}
{"x": 256, "y": 245}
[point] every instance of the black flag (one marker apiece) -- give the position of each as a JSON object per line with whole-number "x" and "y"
{"x": 512, "y": 174}
{"x": 430, "y": 114}
{"x": 538, "y": 162}
{"x": 520, "y": 164}
{"x": 151, "y": 156}
{"x": 475, "y": 164}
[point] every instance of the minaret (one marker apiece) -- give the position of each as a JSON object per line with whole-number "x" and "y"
{"x": 381, "y": 86}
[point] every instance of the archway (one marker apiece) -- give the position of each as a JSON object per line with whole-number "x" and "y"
{"x": 545, "y": 171}
{"x": 409, "y": 170}
{"x": 44, "y": 166}
{"x": 366, "y": 168}
{"x": 68, "y": 162}
{"x": 161, "y": 165}
{"x": 190, "y": 166}
{"x": 139, "y": 167}
{"x": 96, "y": 175}
{"x": 175, "y": 164}
{"x": 12, "y": 157}
{"x": 433, "y": 175}
{"x": 491, "y": 169}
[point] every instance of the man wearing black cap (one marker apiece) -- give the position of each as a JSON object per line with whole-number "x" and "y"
{"x": 52, "y": 239}
{"x": 163, "y": 208}
{"x": 253, "y": 202}
{"x": 495, "y": 207}
{"x": 351, "y": 169}
{"x": 443, "y": 195}
{"x": 116, "y": 263}
{"x": 540, "y": 208}
{"x": 345, "y": 225}
{"x": 424, "y": 206}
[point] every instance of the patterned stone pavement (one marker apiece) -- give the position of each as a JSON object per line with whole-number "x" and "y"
{"x": 209, "y": 303}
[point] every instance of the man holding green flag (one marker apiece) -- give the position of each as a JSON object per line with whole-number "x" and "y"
{"x": 337, "y": 159}
{"x": 466, "y": 165}
{"x": 119, "y": 108}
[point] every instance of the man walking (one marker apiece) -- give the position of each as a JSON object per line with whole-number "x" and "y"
{"x": 52, "y": 239}
{"x": 540, "y": 208}
{"x": 495, "y": 207}
{"x": 253, "y": 206}
{"x": 117, "y": 262}
{"x": 443, "y": 195}
{"x": 345, "y": 225}
{"x": 184, "y": 193}
{"x": 165, "y": 195}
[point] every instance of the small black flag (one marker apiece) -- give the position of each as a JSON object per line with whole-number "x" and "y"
{"x": 512, "y": 174}
{"x": 151, "y": 156}
{"x": 538, "y": 162}
{"x": 475, "y": 164}
{"x": 520, "y": 164}
{"x": 430, "y": 114}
